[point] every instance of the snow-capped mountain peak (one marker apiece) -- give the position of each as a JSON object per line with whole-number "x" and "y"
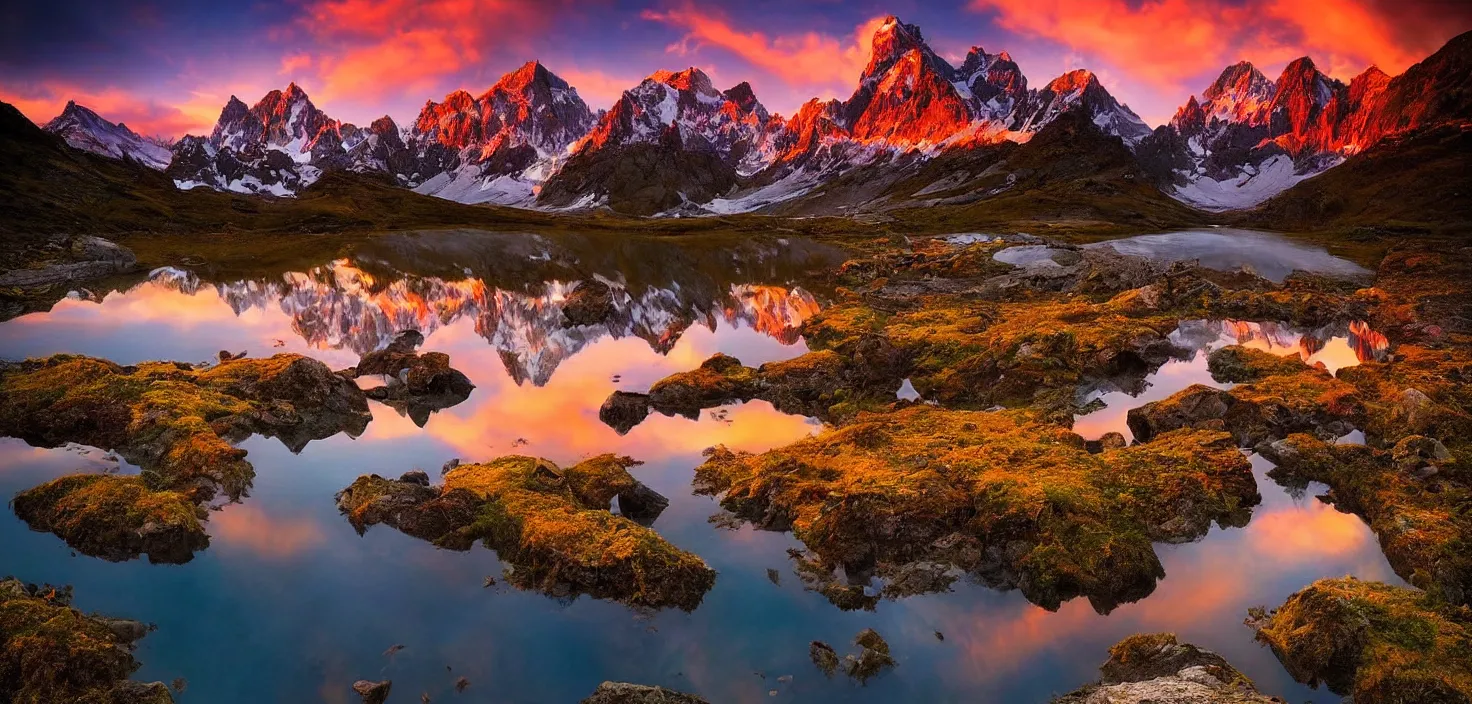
{"x": 84, "y": 129}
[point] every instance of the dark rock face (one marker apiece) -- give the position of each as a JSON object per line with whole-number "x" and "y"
{"x": 623, "y": 410}
{"x": 418, "y": 384}
{"x": 639, "y": 179}
{"x": 590, "y": 303}
{"x": 373, "y": 692}
{"x": 625, "y": 693}
{"x": 51, "y": 652}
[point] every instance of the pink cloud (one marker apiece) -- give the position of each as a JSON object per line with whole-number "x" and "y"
{"x": 45, "y": 100}
{"x": 807, "y": 58}
{"x": 363, "y": 49}
{"x": 1168, "y": 43}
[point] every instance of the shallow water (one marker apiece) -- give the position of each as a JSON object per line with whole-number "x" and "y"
{"x": 1269, "y": 255}
{"x": 289, "y": 604}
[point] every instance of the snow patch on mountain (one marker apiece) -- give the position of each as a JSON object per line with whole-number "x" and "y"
{"x": 1252, "y": 185}
{"x": 86, "y": 130}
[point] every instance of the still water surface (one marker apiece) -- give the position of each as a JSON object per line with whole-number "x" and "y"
{"x": 289, "y": 604}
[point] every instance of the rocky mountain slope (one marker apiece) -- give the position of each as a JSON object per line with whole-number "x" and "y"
{"x": 84, "y": 129}
{"x": 1248, "y": 138}
{"x": 676, "y": 144}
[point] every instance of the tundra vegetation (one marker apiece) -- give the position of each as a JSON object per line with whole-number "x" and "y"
{"x": 552, "y": 525}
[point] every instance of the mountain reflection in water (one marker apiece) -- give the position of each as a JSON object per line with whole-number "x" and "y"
{"x": 290, "y": 604}
{"x": 341, "y": 306}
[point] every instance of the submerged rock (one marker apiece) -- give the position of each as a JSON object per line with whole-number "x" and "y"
{"x": 823, "y": 656}
{"x": 1017, "y": 503}
{"x": 1157, "y": 669}
{"x": 1371, "y": 641}
{"x": 552, "y": 524}
{"x": 625, "y": 693}
{"x": 871, "y": 659}
{"x": 51, "y": 652}
{"x": 177, "y": 423}
{"x": 873, "y": 656}
{"x": 373, "y": 692}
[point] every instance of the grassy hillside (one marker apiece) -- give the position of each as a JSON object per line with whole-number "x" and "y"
{"x": 1410, "y": 185}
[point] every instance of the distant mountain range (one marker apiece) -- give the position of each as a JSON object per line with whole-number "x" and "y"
{"x": 676, "y": 144}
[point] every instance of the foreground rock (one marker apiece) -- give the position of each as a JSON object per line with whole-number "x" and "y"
{"x": 1156, "y": 669}
{"x": 625, "y": 693}
{"x": 1373, "y": 642}
{"x": 551, "y": 524}
{"x": 177, "y": 423}
{"x": 1014, "y": 502}
{"x": 417, "y": 384}
{"x": 51, "y": 652}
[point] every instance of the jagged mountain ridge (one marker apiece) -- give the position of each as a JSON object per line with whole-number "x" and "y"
{"x": 86, "y": 130}
{"x": 675, "y": 143}
{"x": 1249, "y": 138}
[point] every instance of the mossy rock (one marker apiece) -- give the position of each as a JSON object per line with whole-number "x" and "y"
{"x": 1419, "y": 516}
{"x": 551, "y": 524}
{"x": 115, "y": 517}
{"x": 1017, "y": 502}
{"x": 1378, "y": 643}
{"x": 51, "y": 652}
{"x": 1236, "y": 364}
{"x": 178, "y": 423}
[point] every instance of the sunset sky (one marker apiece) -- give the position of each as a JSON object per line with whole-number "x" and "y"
{"x": 166, "y": 68}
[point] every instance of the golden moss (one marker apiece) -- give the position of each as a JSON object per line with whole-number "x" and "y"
{"x": 552, "y": 525}
{"x": 115, "y": 517}
{"x": 170, "y": 418}
{"x": 993, "y": 493}
{"x": 1309, "y": 400}
{"x": 1378, "y": 643}
{"x": 51, "y": 652}
{"x": 174, "y": 421}
{"x": 1236, "y": 364}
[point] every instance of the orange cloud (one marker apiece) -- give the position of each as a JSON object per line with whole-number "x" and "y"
{"x": 295, "y": 62}
{"x": 372, "y": 48}
{"x": 248, "y": 527}
{"x": 43, "y": 101}
{"x": 1167, "y": 42}
{"x": 807, "y": 59}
